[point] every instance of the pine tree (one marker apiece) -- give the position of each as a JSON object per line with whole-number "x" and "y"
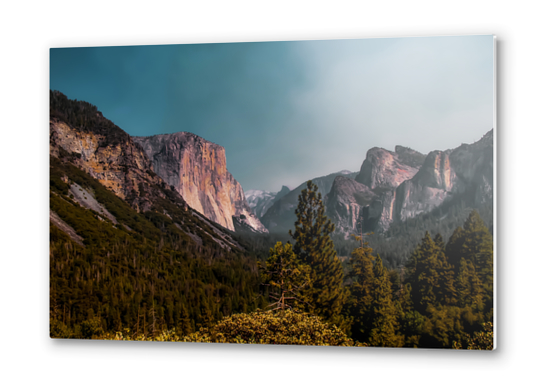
{"x": 478, "y": 247}
{"x": 286, "y": 277}
{"x": 454, "y": 248}
{"x": 361, "y": 276}
{"x": 385, "y": 322}
{"x": 422, "y": 274}
{"x": 445, "y": 290}
{"x": 474, "y": 243}
{"x": 469, "y": 287}
{"x": 325, "y": 295}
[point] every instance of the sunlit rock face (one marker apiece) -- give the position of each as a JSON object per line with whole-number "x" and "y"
{"x": 196, "y": 168}
{"x": 120, "y": 165}
{"x": 383, "y": 169}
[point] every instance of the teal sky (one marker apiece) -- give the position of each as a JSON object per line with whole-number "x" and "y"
{"x": 290, "y": 111}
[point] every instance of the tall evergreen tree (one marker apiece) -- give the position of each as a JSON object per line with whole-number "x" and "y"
{"x": 445, "y": 290}
{"x": 325, "y": 295}
{"x": 469, "y": 287}
{"x": 474, "y": 243}
{"x": 286, "y": 277}
{"x": 384, "y": 314}
{"x": 422, "y": 274}
{"x": 361, "y": 277}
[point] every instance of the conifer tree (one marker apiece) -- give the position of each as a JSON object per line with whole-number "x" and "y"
{"x": 469, "y": 287}
{"x": 313, "y": 245}
{"x": 478, "y": 247}
{"x": 430, "y": 275}
{"x": 384, "y": 312}
{"x": 422, "y": 274}
{"x": 361, "y": 276}
{"x": 445, "y": 290}
{"x": 286, "y": 276}
{"x": 474, "y": 243}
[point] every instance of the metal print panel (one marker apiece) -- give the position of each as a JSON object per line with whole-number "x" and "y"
{"x": 333, "y": 193}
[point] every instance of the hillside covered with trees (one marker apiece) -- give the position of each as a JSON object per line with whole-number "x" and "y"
{"x": 118, "y": 271}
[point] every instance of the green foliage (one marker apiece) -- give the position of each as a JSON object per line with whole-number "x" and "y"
{"x": 482, "y": 340}
{"x": 325, "y": 295}
{"x": 447, "y": 288}
{"x": 286, "y": 276}
{"x": 385, "y": 324}
{"x": 282, "y": 327}
{"x": 150, "y": 278}
{"x": 361, "y": 277}
{"x": 396, "y": 245}
{"x": 85, "y": 117}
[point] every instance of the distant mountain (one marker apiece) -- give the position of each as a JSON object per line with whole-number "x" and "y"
{"x": 196, "y": 168}
{"x": 393, "y": 186}
{"x": 260, "y": 201}
{"x": 407, "y": 184}
{"x": 280, "y": 217}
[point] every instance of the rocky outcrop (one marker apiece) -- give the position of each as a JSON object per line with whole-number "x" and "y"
{"x": 428, "y": 189}
{"x": 385, "y": 170}
{"x": 465, "y": 172}
{"x": 196, "y": 168}
{"x": 473, "y": 165}
{"x": 406, "y": 183}
{"x": 345, "y": 202}
{"x": 121, "y": 166}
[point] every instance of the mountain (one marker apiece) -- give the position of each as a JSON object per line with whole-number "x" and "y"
{"x": 394, "y": 186}
{"x": 260, "y": 201}
{"x": 81, "y": 137}
{"x": 125, "y": 247}
{"x": 280, "y": 217}
{"x": 196, "y": 168}
{"x": 345, "y": 201}
{"x": 385, "y": 170}
{"x": 406, "y": 187}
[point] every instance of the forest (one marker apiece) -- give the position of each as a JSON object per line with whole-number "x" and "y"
{"x": 161, "y": 274}
{"x": 153, "y": 283}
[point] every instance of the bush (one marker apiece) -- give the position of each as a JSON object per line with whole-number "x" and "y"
{"x": 281, "y": 327}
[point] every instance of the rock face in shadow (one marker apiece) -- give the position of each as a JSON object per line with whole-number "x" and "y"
{"x": 345, "y": 201}
{"x": 281, "y": 216}
{"x": 196, "y": 168}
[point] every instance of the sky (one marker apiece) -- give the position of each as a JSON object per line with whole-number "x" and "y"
{"x": 287, "y": 112}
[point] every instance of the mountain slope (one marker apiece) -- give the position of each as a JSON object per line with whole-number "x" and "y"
{"x": 196, "y": 168}
{"x": 126, "y": 251}
{"x": 281, "y": 216}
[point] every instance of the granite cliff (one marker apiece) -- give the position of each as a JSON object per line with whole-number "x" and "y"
{"x": 463, "y": 173}
{"x": 104, "y": 151}
{"x": 385, "y": 170}
{"x": 345, "y": 201}
{"x": 81, "y": 137}
{"x": 196, "y": 168}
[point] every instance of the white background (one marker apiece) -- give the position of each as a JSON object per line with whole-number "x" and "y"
{"x": 29, "y": 29}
